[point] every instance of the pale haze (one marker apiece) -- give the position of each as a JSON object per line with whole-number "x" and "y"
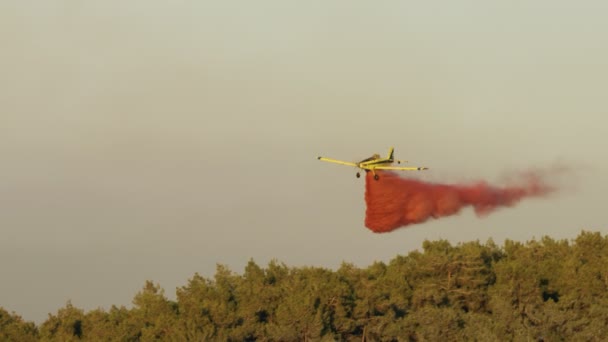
{"x": 149, "y": 140}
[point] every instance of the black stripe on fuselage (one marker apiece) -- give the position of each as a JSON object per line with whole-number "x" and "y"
{"x": 368, "y": 162}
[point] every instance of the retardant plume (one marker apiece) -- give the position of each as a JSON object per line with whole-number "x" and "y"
{"x": 393, "y": 201}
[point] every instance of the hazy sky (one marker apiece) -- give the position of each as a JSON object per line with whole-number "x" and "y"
{"x": 149, "y": 140}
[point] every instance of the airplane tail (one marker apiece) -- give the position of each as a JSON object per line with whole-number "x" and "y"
{"x": 391, "y": 153}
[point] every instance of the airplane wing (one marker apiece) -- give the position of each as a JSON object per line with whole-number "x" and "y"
{"x": 335, "y": 161}
{"x": 400, "y": 168}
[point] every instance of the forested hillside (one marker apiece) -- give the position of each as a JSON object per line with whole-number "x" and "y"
{"x": 543, "y": 290}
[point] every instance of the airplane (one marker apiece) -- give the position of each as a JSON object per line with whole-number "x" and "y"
{"x": 376, "y": 162}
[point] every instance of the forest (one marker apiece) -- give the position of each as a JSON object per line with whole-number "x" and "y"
{"x": 539, "y": 290}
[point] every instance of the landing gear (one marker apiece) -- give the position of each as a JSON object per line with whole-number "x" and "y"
{"x": 376, "y": 177}
{"x": 358, "y": 175}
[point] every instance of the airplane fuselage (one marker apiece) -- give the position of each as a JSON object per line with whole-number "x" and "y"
{"x": 371, "y": 162}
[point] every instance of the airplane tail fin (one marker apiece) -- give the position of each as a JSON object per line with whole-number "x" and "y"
{"x": 391, "y": 153}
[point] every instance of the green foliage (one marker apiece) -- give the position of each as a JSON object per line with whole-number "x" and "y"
{"x": 14, "y": 328}
{"x": 67, "y": 325}
{"x": 539, "y": 290}
{"x": 154, "y": 315}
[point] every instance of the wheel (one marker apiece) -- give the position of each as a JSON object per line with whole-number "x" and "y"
{"x": 376, "y": 177}
{"x": 358, "y": 175}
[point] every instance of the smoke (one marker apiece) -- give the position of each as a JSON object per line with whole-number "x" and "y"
{"x": 394, "y": 202}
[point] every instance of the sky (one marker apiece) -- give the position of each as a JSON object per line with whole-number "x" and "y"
{"x": 152, "y": 140}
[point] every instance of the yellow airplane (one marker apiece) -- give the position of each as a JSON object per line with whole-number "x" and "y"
{"x": 375, "y": 162}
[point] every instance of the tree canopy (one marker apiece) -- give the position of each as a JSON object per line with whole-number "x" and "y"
{"x": 540, "y": 290}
